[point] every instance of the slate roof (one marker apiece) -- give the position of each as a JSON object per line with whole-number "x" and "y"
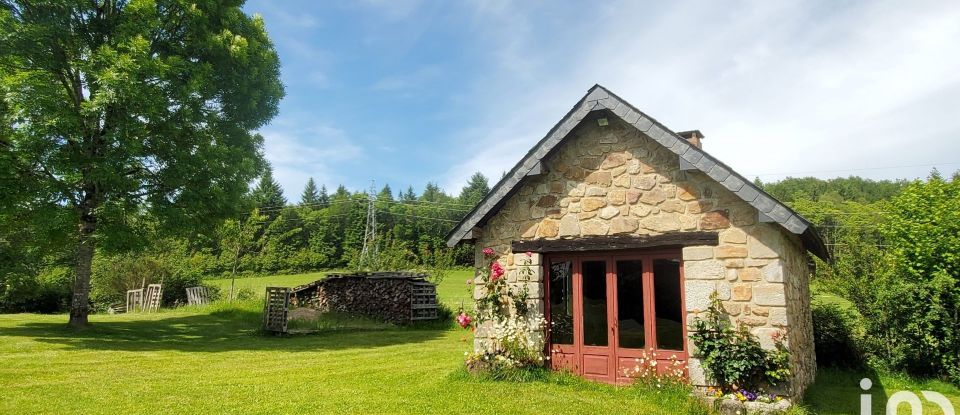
{"x": 690, "y": 157}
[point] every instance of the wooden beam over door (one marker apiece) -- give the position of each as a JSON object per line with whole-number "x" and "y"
{"x": 618, "y": 242}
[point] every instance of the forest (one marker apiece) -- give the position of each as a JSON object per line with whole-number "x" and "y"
{"x": 322, "y": 230}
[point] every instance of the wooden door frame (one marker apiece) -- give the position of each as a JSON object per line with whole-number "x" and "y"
{"x": 647, "y": 256}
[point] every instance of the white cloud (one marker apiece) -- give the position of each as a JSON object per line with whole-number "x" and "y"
{"x": 775, "y": 86}
{"x": 298, "y": 151}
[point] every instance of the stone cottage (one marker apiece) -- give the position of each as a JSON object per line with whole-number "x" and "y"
{"x": 632, "y": 227}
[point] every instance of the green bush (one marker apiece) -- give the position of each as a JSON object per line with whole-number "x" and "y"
{"x": 917, "y": 310}
{"x": 732, "y": 356}
{"x": 46, "y": 292}
{"x": 838, "y": 336}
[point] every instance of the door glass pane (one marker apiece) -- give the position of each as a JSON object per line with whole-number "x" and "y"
{"x": 561, "y": 302}
{"x": 594, "y": 274}
{"x": 667, "y": 300}
{"x": 630, "y": 303}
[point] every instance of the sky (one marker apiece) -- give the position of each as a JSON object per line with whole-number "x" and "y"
{"x": 405, "y": 92}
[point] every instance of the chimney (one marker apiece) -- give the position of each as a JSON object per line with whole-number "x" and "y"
{"x": 693, "y": 137}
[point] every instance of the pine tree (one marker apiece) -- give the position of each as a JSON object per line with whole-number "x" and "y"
{"x": 323, "y": 199}
{"x": 268, "y": 192}
{"x": 475, "y": 190}
{"x": 386, "y": 193}
{"x": 409, "y": 195}
{"x": 310, "y": 197}
{"x": 432, "y": 193}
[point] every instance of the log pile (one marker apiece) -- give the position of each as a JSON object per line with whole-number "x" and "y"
{"x": 385, "y": 296}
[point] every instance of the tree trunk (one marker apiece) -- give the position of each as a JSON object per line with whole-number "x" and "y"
{"x": 233, "y": 274}
{"x": 80, "y": 304}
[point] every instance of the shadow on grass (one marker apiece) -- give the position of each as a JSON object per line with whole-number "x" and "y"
{"x": 217, "y": 331}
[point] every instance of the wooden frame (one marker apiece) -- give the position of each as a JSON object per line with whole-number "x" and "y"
{"x": 574, "y": 357}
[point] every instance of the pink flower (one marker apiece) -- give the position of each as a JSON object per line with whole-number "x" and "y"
{"x": 488, "y": 252}
{"x": 496, "y": 271}
{"x": 529, "y": 254}
{"x": 464, "y": 320}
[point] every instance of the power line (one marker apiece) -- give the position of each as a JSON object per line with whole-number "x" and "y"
{"x": 421, "y": 217}
{"x": 432, "y": 207}
{"x": 425, "y": 203}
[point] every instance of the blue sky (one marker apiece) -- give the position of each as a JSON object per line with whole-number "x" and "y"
{"x": 404, "y": 91}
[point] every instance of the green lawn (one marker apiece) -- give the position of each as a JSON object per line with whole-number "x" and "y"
{"x": 212, "y": 360}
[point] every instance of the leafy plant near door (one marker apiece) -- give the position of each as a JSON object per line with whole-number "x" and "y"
{"x": 733, "y": 357}
{"x": 503, "y": 315}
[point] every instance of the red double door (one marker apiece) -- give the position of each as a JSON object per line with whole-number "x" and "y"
{"x": 605, "y": 311}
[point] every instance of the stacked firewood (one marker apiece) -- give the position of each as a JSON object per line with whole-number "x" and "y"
{"x": 382, "y": 296}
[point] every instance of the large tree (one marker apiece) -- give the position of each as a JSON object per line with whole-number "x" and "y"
{"x": 112, "y": 109}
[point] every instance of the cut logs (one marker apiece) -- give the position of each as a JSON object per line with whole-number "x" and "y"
{"x": 396, "y": 297}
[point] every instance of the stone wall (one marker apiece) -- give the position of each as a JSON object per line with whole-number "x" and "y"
{"x": 614, "y": 180}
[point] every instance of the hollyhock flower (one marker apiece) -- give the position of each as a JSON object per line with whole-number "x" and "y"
{"x": 464, "y": 320}
{"x": 488, "y": 252}
{"x": 496, "y": 271}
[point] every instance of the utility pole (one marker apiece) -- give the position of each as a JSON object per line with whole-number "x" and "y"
{"x": 370, "y": 251}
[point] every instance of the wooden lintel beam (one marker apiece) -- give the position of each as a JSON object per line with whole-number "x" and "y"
{"x": 614, "y": 243}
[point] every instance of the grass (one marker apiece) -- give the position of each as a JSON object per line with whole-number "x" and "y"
{"x": 452, "y": 291}
{"x": 212, "y": 359}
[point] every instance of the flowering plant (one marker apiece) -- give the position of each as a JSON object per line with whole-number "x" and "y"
{"x": 463, "y": 319}
{"x": 651, "y": 371}
{"x": 510, "y": 333}
{"x": 744, "y": 395}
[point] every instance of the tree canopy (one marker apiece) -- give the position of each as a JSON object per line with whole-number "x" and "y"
{"x": 114, "y": 109}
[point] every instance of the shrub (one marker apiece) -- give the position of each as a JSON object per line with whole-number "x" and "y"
{"x": 733, "y": 357}
{"x": 838, "y": 336}
{"x": 917, "y": 309}
{"x": 114, "y": 275}
{"x": 46, "y": 292}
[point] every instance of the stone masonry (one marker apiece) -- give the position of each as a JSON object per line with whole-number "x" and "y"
{"x": 614, "y": 180}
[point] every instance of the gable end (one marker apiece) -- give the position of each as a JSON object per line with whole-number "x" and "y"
{"x": 690, "y": 158}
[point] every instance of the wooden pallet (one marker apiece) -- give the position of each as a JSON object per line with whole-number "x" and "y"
{"x": 276, "y": 307}
{"x": 424, "y": 301}
{"x": 134, "y": 300}
{"x": 197, "y": 295}
{"x": 152, "y": 297}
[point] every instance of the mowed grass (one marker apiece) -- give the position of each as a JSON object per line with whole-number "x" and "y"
{"x": 212, "y": 359}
